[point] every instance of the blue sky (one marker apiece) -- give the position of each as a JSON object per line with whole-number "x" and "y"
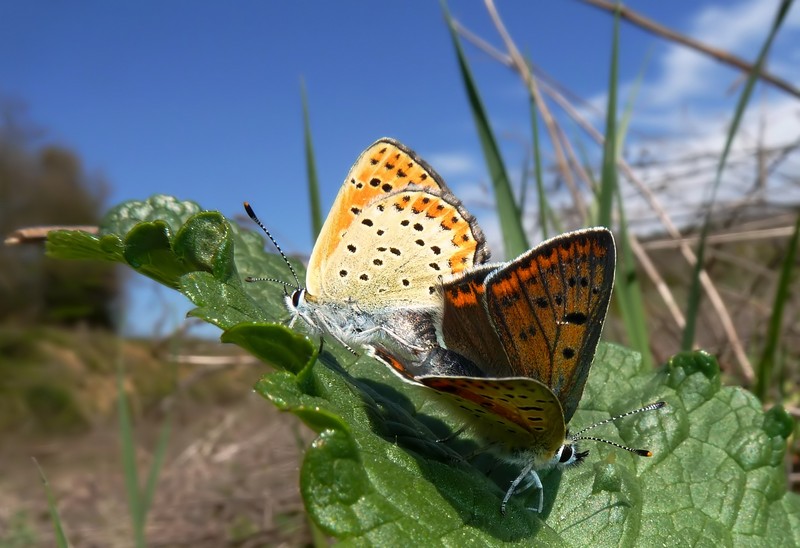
{"x": 202, "y": 101}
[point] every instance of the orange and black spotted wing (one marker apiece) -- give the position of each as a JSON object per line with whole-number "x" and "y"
{"x": 465, "y": 326}
{"x": 384, "y": 168}
{"x": 515, "y": 414}
{"x": 548, "y": 307}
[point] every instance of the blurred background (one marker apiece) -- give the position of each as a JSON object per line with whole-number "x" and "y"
{"x": 102, "y": 103}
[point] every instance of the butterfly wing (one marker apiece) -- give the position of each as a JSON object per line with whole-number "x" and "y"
{"x": 548, "y": 307}
{"x": 397, "y": 249}
{"x": 517, "y": 415}
{"x": 384, "y": 168}
{"x": 465, "y": 326}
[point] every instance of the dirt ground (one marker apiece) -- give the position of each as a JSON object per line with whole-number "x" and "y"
{"x": 230, "y": 479}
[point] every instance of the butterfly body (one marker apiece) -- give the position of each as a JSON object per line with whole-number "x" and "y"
{"x": 353, "y": 324}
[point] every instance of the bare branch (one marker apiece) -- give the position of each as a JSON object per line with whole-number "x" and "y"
{"x": 718, "y": 54}
{"x": 37, "y": 234}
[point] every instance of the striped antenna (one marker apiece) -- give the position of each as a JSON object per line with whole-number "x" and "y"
{"x": 641, "y": 452}
{"x": 256, "y": 220}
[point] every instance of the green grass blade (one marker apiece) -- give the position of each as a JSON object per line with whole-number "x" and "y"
{"x": 156, "y": 466}
{"x": 318, "y": 537}
{"x": 58, "y": 531}
{"x": 628, "y": 292}
{"x": 514, "y": 239}
{"x": 627, "y": 113}
{"x": 693, "y": 300}
{"x": 768, "y": 360}
{"x": 587, "y": 162}
{"x": 129, "y": 462}
{"x": 608, "y": 180}
{"x": 523, "y": 184}
{"x": 311, "y": 168}
{"x": 544, "y": 207}
{"x": 628, "y": 287}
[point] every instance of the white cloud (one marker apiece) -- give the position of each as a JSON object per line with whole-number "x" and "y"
{"x": 739, "y": 28}
{"x": 681, "y": 76}
{"x": 690, "y": 104}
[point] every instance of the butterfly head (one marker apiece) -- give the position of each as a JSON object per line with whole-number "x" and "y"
{"x": 301, "y": 304}
{"x": 568, "y": 455}
{"x": 294, "y": 302}
{"x": 298, "y": 296}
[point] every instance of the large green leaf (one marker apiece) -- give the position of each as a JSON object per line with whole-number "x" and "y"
{"x": 377, "y": 475}
{"x": 197, "y": 252}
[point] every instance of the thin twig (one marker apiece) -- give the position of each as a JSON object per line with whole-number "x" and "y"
{"x": 718, "y": 54}
{"x": 522, "y": 67}
{"x": 661, "y": 286}
{"x": 35, "y": 234}
{"x": 730, "y": 237}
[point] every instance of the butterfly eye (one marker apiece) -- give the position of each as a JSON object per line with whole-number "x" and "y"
{"x": 565, "y": 454}
{"x": 296, "y": 295}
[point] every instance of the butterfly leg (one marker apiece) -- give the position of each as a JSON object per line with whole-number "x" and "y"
{"x": 393, "y": 336}
{"x": 343, "y": 343}
{"x": 479, "y": 451}
{"x": 452, "y": 435}
{"x": 319, "y": 323}
{"x": 526, "y": 478}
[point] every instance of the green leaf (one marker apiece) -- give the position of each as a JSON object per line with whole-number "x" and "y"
{"x": 275, "y": 344}
{"x": 79, "y": 245}
{"x": 148, "y": 249}
{"x": 376, "y": 473}
{"x": 122, "y": 218}
{"x": 197, "y": 252}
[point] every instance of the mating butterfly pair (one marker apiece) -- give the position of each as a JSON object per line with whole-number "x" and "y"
{"x": 400, "y": 266}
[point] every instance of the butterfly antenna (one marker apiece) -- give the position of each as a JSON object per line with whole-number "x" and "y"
{"x": 256, "y": 220}
{"x": 641, "y": 452}
{"x": 275, "y": 280}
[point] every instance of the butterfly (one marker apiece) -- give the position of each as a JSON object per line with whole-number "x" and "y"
{"x": 531, "y": 326}
{"x": 400, "y": 267}
{"x": 393, "y": 232}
